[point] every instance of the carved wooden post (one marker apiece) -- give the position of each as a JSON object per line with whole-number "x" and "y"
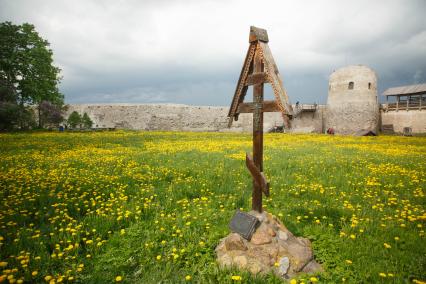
{"x": 257, "y": 130}
{"x": 259, "y": 67}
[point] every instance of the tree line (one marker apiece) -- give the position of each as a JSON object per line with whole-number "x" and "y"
{"x": 76, "y": 120}
{"x": 29, "y": 93}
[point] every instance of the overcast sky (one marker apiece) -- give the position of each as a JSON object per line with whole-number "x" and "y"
{"x": 191, "y": 52}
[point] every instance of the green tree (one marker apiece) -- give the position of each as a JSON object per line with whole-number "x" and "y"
{"x": 74, "y": 119}
{"x": 87, "y": 122}
{"x": 12, "y": 114}
{"x": 50, "y": 113}
{"x": 26, "y": 63}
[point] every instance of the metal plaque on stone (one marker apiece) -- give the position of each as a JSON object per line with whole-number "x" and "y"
{"x": 244, "y": 224}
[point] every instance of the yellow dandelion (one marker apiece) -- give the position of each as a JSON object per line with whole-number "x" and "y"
{"x": 188, "y": 277}
{"x": 118, "y": 279}
{"x": 236, "y": 277}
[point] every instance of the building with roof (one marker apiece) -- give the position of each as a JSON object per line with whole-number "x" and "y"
{"x": 353, "y": 107}
{"x": 405, "y": 109}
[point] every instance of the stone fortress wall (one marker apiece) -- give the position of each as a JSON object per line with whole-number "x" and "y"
{"x": 177, "y": 117}
{"x": 415, "y": 119}
{"x": 214, "y": 119}
{"x": 352, "y": 108}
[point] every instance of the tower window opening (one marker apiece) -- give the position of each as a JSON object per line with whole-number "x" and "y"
{"x": 351, "y": 86}
{"x": 369, "y": 86}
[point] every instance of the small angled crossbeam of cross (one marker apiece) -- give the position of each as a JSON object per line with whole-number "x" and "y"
{"x": 259, "y": 68}
{"x": 258, "y": 177}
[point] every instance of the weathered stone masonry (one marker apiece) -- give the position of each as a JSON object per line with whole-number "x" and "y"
{"x": 168, "y": 117}
{"x": 352, "y": 107}
{"x": 204, "y": 118}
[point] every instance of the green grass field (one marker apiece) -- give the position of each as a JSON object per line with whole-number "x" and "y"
{"x": 149, "y": 207}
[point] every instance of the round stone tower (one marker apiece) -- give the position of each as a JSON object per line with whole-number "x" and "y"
{"x": 352, "y": 105}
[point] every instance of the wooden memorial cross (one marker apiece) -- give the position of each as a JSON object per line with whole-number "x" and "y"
{"x": 259, "y": 67}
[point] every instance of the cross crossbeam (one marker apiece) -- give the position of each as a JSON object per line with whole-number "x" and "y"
{"x": 267, "y": 106}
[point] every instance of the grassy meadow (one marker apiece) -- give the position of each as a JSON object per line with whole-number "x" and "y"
{"x": 149, "y": 207}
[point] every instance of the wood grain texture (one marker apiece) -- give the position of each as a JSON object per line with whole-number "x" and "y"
{"x": 277, "y": 84}
{"x": 267, "y": 106}
{"x": 258, "y": 177}
{"x": 241, "y": 89}
{"x": 256, "y": 78}
{"x": 257, "y": 129}
{"x": 258, "y": 34}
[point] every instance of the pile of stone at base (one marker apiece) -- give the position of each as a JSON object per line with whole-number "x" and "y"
{"x": 271, "y": 248}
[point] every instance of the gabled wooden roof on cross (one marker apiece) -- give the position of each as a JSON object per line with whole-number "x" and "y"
{"x": 259, "y": 44}
{"x": 259, "y": 68}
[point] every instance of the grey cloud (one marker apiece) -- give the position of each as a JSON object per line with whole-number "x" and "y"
{"x": 191, "y": 51}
